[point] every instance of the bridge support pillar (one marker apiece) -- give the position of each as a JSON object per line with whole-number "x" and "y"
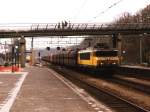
{"x": 117, "y": 43}
{"x": 22, "y": 45}
{"x": 114, "y": 40}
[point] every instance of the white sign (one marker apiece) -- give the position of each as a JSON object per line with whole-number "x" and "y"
{"x": 4, "y": 48}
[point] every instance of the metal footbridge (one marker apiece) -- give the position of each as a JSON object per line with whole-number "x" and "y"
{"x": 72, "y": 29}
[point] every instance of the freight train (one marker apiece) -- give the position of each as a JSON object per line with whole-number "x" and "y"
{"x": 89, "y": 58}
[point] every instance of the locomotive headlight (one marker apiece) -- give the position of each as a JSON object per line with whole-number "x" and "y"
{"x": 101, "y": 63}
{"x": 97, "y": 58}
{"x": 114, "y": 63}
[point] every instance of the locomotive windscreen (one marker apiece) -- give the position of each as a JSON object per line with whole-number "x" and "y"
{"x": 85, "y": 56}
{"x": 106, "y": 53}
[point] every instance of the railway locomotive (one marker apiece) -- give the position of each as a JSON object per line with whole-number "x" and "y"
{"x": 89, "y": 58}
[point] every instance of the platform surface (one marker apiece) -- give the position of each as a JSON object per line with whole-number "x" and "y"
{"x": 7, "y": 83}
{"x": 136, "y": 67}
{"x": 42, "y": 91}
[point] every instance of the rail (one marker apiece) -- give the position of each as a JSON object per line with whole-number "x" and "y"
{"x": 114, "y": 100}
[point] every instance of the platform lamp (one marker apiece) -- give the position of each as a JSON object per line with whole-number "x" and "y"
{"x": 12, "y": 58}
{"x": 16, "y": 55}
{"x": 16, "y": 51}
{"x": 16, "y": 43}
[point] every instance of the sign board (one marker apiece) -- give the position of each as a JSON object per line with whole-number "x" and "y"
{"x": 4, "y": 48}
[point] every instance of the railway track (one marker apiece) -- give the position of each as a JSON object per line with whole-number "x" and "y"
{"x": 115, "y": 102}
{"x": 141, "y": 87}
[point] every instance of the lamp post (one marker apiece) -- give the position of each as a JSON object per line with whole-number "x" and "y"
{"x": 141, "y": 46}
{"x": 16, "y": 54}
{"x": 12, "y": 58}
{"x": 140, "y": 50}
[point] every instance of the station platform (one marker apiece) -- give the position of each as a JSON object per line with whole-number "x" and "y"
{"x": 134, "y": 70}
{"x": 42, "y": 91}
{"x": 136, "y": 67}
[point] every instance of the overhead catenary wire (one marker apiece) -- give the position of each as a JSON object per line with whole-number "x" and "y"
{"x": 104, "y": 11}
{"x": 80, "y": 9}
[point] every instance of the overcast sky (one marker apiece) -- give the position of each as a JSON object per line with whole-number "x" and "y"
{"x": 53, "y": 11}
{"x": 75, "y": 11}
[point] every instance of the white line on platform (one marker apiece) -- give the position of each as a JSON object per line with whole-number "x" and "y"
{"x": 12, "y": 96}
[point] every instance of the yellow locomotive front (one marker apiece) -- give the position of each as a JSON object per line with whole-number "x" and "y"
{"x": 106, "y": 58}
{"x": 98, "y": 58}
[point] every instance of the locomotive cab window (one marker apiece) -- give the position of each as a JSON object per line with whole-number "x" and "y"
{"x": 85, "y": 56}
{"x": 106, "y": 53}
